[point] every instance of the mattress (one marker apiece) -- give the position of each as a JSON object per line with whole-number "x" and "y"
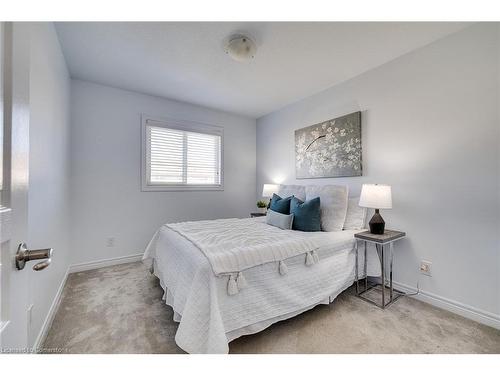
{"x": 209, "y": 318}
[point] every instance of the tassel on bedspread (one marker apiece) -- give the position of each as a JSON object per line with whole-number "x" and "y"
{"x": 238, "y": 282}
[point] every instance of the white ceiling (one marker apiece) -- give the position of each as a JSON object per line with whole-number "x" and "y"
{"x": 186, "y": 61}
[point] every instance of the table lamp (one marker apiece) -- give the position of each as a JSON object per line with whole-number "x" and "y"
{"x": 268, "y": 190}
{"x": 377, "y": 197}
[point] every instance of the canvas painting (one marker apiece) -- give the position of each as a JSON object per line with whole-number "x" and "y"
{"x": 330, "y": 149}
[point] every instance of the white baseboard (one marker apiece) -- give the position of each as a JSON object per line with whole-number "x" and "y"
{"x": 481, "y": 316}
{"x": 50, "y": 315}
{"x": 104, "y": 263}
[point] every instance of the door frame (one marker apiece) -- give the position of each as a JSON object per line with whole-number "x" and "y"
{"x": 14, "y": 285}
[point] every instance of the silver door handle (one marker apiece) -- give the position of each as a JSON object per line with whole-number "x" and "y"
{"x": 24, "y": 255}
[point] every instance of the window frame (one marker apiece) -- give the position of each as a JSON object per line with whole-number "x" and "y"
{"x": 190, "y": 126}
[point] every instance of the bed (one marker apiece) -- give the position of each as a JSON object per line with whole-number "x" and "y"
{"x": 214, "y": 307}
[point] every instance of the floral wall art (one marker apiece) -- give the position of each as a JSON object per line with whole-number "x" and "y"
{"x": 330, "y": 149}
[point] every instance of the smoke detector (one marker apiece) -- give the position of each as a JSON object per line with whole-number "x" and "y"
{"x": 240, "y": 48}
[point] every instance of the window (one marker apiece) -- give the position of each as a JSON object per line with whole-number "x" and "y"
{"x": 181, "y": 156}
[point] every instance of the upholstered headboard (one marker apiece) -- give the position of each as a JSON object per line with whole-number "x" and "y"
{"x": 339, "y": 211}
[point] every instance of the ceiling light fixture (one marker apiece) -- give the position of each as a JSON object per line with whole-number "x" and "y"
{"x": 240, "y": 48}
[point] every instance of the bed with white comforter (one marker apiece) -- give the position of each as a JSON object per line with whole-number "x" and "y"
{"x": 233, "y": 277}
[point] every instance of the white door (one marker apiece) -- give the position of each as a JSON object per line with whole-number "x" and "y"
{"x": 14, "y": 284}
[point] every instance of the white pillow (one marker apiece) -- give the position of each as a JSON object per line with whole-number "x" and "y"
{"x": 298, "y": 191}
{"x": 333, "y": 199}
{"x": 356, "y": 216}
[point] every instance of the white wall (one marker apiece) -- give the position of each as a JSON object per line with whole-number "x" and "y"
{"x": 48, "y": 197}
{"x": 106, "y": 171}
{"x": 430, "y": 125}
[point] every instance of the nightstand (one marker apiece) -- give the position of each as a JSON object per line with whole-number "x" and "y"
{"x": 257, "y": 214}
{"x": 381, "y": 241}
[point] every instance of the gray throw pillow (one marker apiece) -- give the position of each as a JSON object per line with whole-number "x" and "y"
{"x": 279, "y": 220}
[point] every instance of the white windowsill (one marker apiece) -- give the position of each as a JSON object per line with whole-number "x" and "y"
{"x": 182, "y": 188}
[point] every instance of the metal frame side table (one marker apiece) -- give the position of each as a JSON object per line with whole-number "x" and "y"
{"x": 380, "y": 241}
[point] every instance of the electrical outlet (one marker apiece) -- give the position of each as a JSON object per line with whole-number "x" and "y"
{"x": 425, "y": 267}
{"x": 110, "y": 242}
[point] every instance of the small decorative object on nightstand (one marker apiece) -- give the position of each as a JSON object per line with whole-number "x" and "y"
{"x": 257, "y": 214}
{"x": 376, "y": 196}
{"x": 262, "y": 206}
{"x": 380, "y": 241}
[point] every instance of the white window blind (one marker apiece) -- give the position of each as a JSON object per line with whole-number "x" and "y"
{"x": 182, "y": 158}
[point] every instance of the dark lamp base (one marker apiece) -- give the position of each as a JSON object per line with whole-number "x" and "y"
{"x": 377, "y": 224}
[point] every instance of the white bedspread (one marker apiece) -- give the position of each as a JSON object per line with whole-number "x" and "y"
{"x": 233, "y": 245}
{"x": 210, "y": 319}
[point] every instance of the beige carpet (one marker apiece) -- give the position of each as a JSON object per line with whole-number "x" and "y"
{"x": 119, "y": 309}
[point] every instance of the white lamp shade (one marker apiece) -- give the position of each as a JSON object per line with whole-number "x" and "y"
{"x": 376, "y": 196}
{"x": 269, "y": 190}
